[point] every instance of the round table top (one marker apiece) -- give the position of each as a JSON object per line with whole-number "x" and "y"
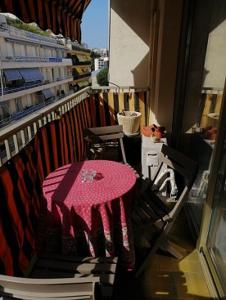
{"x": 64, "y": 185}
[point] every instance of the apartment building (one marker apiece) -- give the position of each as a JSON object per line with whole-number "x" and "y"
{"x": 101, "y": 62}
{"x": 35, "y": 71}
{"x": 81, "y": 66}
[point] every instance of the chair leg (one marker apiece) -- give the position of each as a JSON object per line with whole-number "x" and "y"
{"x": 123, "y": 150}
{"x": 173, "y": 249}
{"x": 151, "y": 252}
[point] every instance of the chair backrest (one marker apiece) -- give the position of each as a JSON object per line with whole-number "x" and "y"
{"x": 154, "y": 208}
{"x": 180, "y": 163}
{"x": 106, "y": 133}
{"x": 184, "y": 167}
{"x": 38, "y": 289}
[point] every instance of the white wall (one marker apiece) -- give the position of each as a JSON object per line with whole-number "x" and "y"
{"x": 129, "y": 42}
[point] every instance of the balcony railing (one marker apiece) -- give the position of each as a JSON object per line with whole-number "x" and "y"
{"x": 102, "y": 103}
{"x": 32, "y": 59}
{"x": 102, "y": 108}
{"x": 13, "y": 31}
{"x": 21, "y": 114}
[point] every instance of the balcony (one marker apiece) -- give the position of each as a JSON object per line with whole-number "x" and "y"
{"x": 34, "y": 62}
{"x": 12, "y": 93}
{"x": 22, "y": 147}
{"x": 170, "y": 43}
{"x": 11, "y": 33}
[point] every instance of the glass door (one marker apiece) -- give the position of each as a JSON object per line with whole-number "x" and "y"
{"x": 216, "y": 240}
{"x": 201, "y": 113}
{"x": 213, "y": 234}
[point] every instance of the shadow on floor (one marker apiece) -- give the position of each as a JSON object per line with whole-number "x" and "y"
{"x": 167, "y": 277}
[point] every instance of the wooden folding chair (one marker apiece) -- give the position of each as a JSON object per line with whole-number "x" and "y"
{"x": 102, "y": 139}
{"x": 60, "y": 277}
{"x": 156, "y": 211}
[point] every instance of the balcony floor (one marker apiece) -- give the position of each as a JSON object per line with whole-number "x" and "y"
{"x": 166, "y": 277}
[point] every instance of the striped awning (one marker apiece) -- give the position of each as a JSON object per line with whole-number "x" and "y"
{"x": 61, "y": 16}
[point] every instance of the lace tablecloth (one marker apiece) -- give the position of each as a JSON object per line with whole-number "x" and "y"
{"x": 95, "y": 217}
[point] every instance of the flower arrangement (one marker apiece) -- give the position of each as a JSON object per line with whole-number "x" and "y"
{"x": 154, "y": 131}
{"x": 210, "y": 133}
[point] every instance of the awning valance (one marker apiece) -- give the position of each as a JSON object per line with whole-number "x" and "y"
{"x": 47, "y": 94}
{"x": 61, "y": 16}
{"x": 83, "y": 83}
{"x": 12, "y": 75}
{"x": 31, "y": 75}
{"x": 82, "y": 58}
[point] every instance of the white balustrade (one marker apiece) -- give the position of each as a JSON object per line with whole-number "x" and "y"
{"x": 15, "y": 136}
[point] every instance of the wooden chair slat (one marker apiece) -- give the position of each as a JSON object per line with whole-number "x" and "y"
{"x": 93, "y": 260}
{"x": 157, "y": 210}
{"x": 53, "y": 278}
{"x": 97, "y": 138}
{"x": 84, "y": 268}
{"x": 106, "y": 129}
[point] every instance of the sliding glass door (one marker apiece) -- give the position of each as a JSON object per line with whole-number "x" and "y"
{"x": 216, "y": 239}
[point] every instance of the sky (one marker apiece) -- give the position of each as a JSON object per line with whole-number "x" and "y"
{"x": 95, "y": 24}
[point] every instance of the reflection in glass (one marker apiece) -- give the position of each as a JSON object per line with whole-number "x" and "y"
{"x": 216, "y": 242}
{"x": 205, "y": 129}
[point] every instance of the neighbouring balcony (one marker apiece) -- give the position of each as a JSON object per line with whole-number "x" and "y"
{"x": 14, "y": 32}
{"x": 12, "y": 93}
{"x": 19, "y": 62}
{"x": 32, "y": 59}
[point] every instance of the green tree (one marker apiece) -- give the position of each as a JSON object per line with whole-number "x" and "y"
{"x": 102, "y": 77}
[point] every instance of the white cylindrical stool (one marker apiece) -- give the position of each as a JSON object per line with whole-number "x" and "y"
{"x": 150, "y": 156}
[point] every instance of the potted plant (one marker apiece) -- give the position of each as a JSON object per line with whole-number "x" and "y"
{"x": 130, "y": 121}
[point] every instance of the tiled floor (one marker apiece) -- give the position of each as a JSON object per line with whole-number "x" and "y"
{"x": 166, "y": 277}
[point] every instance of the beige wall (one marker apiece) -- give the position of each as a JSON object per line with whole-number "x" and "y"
{"x": 135, "y": 27}
{"x": 215, "y": 64}
{"x": 164, "y": 77}
{"x": 129, "y": 42}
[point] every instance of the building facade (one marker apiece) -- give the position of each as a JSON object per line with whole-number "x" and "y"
{"x": 101, "y": 62}
{"x": 35, "y": 71}
{"x": 81, "y": 66}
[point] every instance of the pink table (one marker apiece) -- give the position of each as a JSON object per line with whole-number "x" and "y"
{"x": 95, "y": 216}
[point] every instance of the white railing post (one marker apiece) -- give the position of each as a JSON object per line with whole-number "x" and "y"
{"x": 15, "y": 141}
{"x": 7, "y": 148}
{"x": 22, "y": 138}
